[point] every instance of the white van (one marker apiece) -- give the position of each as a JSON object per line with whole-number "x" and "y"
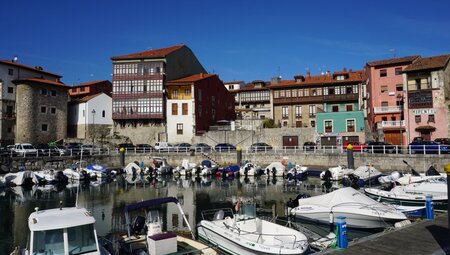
{"x": 24, "y": 149}
{"x": 163, "y": 146}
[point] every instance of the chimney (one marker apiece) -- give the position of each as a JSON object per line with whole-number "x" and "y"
{"x": 350, "y": 70}
{"x": 276, "y": 80}
{"x": 328, "y": 72}
{"x": 299, "y": 78}
{"x": 344, "y": 70}
{"x": 308, "y": 73}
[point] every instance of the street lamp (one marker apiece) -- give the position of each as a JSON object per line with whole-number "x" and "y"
{"x": 93, "y": 127}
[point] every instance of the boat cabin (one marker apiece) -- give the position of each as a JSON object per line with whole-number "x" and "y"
{"x": 63, "y": 231}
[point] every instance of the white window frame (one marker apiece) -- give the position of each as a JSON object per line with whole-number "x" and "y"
{"x": 346, "y": 124}
{"x": 332, "y": 125}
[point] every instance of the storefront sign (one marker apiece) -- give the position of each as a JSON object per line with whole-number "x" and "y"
{"x": 424, "y": 111}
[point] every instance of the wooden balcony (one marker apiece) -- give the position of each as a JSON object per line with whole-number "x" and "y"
{"x": 340, "y": 98}
{"x": 298, "y": 100}
{"x": 134, "y": 116}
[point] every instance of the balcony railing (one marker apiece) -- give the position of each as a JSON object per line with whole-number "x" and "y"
{"x": 387, "y": 109}
{"x": 385, "y": 124}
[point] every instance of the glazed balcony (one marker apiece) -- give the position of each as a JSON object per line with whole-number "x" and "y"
{"x": 391, "y": 124}
{"x": 387, "y": 109}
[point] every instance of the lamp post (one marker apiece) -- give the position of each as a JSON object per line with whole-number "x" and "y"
{"x": 401, "y": 102}
{"x": 93, "y": 127}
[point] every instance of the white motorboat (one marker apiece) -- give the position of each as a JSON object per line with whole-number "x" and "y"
{"x": 132, "y": 168}
{"x": 409, "y": 178}
{"x": 298, "y": 172}
{"x": 335, "y": 173}
{"x": 360, "y": 210}
{"x": 367, "y": 173}
{"x": 63, "y": 231}
{"x": 21, "y": 178}
{"x": 186, "y": 168}
{"x": 160, "y": 166}
{"x": 413, "y": 194}
{"x": 76, "y": 172}
{"x": 275, "y": 169}
{"x": 249, "y": 169}
{"x": 244, "y": 235}
{"x": 207, "y": 168}
{"x": 51, "y": 176}
{"x": 97, "y": 171}
{"x": 146, "y": 235}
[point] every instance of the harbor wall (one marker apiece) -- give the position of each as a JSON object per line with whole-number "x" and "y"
{"x": 385, "y": 163}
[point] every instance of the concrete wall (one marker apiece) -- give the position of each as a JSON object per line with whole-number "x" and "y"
{"x": 245, "y": 138}
{"x": 148, "y": 134}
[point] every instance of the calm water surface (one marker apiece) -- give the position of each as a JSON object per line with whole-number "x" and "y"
{"x": 107, "y": 200}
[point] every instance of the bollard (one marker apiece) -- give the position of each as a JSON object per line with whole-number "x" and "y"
{"x": 239, "y": 156}
{"x": 341, "y": 226}
{"x": 331, "y": 222}
{"x": 350, "y": 158}
{"x": 447, "y": 170}
{"x": 429, "y": 207}
{"x": 122, "y": 157}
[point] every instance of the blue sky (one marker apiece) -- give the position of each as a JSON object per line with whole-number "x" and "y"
{"x": 239, "y": 40}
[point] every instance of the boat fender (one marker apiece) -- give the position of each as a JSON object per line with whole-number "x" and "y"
{"x": 402, "y": 223}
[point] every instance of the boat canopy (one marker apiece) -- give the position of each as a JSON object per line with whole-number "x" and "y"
{"x": 150, "y": 203}
{"x": 343, "y": 196}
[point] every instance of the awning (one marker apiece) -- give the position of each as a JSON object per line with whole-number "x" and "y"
{"x": 425, "y": 128}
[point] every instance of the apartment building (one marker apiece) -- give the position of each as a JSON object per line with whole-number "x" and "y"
{"x": 139, "y": 90}
{"x": 427, "y": 82}
{"x": 194, "y": 104}
{"x": 385, "y": 98}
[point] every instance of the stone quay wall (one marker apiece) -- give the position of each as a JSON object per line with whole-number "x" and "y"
{"x": 385, "y": 163}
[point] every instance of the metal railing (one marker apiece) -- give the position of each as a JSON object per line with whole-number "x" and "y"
{"x": 387, "y": 109}
{"x": 393, "y": 123}
{"x": 308, "y": 149}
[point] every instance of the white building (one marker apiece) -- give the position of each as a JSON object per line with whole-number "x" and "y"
{"x": 89, "y": 115}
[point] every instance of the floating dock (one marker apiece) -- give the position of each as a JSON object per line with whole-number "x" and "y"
{"x": 423, "y": 237}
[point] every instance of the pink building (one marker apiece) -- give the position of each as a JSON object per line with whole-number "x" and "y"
{"x": 428, "y": 96}
{"x": 385, "y": 97}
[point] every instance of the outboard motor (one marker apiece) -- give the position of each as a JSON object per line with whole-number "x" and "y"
{"x": 61, "y": 178}
{"x": 274, "y": 172}
{"x": 327, "y": 176}
{"x": 246, "y": 172}
{"x": 268, "y": 172}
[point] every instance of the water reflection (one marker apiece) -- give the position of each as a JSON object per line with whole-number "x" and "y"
{"x": 106, "y": 200}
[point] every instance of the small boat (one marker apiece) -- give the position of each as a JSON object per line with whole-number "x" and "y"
{"x": 275, "y": 169}
{"x": 335, "y": 173}
{"x": 246, "y": 234}
{"x": 207, "y": 168}
{"x": 146, "y": 236}
{"x": 249, "y": 169}
{"x": 76, "y": 172}
{"x": 132, "y": 169}
{"x": 414, "y": 176}
{"x": 413, "y": 194}
{"x": 366, "y": 174}
{"x": 186, "y": 168}
{"x": 228, "y": 171}
{"x": 22, "y": 178}
{"x": 298, "y": 172}
{"x": 160, "y": 166}
{"x": 52, "y": 176}
{"x": 97, "y": 171}
{"x": 67, "y": 230}
{"x": 360, "y": 210}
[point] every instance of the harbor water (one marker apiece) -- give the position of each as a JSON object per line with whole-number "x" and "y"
{"x": 107, "y": 200}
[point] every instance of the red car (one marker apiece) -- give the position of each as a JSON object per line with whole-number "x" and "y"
{"x": 357, "y": 146}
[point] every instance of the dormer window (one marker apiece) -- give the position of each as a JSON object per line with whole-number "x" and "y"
{"x": 340, "y": 77}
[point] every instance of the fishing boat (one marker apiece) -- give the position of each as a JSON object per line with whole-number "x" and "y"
{"x": 360, "y": 210}
{"x": 246, "y": 234}
{"x": 249, "y": 169}
{"x": 68, "y": 230}
{"x": 154, "y": 240}
{"x": 413, "y": 194}
{"x": 335, "y": 173}
{"x": 298, "y": 172}
{"x": 21, "y": 178}
{"x": 275, "y": 169}
{"x": 160, "y": 166}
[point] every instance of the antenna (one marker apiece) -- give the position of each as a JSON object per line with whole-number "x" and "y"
{"x": 393, "y": 52}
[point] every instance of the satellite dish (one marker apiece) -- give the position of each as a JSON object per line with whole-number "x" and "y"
{"x": 15, "y": 59}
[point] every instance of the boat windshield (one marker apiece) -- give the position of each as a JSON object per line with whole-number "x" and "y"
{"x": 81, "y": 239}
{"x": 48, "y": 242}
{"x": 248, "y": 210}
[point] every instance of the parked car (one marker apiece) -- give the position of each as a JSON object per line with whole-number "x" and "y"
{"x": 143, "y": 148}
{"x": 163, "y": 146}
{"x": 45, "y": 149}
{"x": 357, "y": 146}
{"x": 224, "y": 147}
{"x": 442, "y": 141}
{"x": 23, "y": 149}
{"x": 201, "y": 147}
{"x": 260, "y": 147}
{"x": 309, "y": 146}
{"x": 73, "y": 148}
{"x": 427, "y": 147}
{"x": 380, "y": 147}
{"x": 91, "y": 149}
{"x": 182, "y": 147}
{"x": 126, "y": 146}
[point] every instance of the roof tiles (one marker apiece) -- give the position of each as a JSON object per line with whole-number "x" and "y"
{"x": 435, "y": 62}
{"x": 393, "y": 61}
{"x": 157, "y": 53}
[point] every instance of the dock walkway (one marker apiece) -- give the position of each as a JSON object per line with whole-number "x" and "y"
{"x": 424, "y": 237}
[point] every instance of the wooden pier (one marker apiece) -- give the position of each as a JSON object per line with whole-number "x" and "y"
{"x": 424, "y": 237}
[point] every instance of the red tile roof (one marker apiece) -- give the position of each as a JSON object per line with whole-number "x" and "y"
{"x": 393, "y": 61}
{"x": 39, "y": 80}
{"x": 90, "y": 83}
{"x": 430, "y": 63}
{"x": 35, "y": 69}
{"x": 158, "y": 53}
{"x": 233, "y": 82}
{"x": 191, "y": 79}
{"x": 353, "y": 77}
{"x": 251, "y": 86}
{"x": 87, "y": 98}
